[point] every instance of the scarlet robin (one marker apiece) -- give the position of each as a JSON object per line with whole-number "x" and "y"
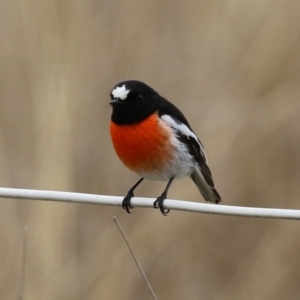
{"x": 153, "y": 138}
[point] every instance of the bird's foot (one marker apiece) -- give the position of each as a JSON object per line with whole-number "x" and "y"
{"x": 159, "y": 203}
{"x": 126, "y": 201}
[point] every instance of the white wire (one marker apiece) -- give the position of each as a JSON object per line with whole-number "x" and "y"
{"x": 275, "y": 213}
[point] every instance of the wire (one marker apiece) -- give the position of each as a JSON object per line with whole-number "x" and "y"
{"x": 240, "y": 211}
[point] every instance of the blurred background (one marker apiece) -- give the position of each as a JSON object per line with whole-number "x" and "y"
{"x": 232, "y": 67}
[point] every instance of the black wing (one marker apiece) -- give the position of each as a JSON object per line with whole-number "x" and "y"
{"x": 201, "y": 176}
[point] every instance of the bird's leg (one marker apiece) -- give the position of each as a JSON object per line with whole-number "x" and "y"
{"x": 159, "y": 202}
{"x": 126, "y": 201}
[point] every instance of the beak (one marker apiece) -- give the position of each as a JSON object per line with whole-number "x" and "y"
{"x": 116, "y": 101}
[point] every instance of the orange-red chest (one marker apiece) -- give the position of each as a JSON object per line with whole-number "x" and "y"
{"x": 144, "y": 146}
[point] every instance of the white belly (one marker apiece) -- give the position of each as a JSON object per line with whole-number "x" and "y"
{"x": 182, "y": 164}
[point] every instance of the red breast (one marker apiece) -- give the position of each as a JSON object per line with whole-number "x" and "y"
{"x": 144, "y": 146}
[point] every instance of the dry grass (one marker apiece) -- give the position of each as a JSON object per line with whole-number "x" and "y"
{"x": 233, "y": 67}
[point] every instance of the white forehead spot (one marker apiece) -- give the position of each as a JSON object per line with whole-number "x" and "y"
{"x": 120, "y": 92}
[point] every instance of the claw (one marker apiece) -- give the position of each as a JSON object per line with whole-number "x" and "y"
{"x": 126, "y": 201}
{"x": 159, "y": 203}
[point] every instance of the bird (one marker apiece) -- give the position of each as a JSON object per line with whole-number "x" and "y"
{"x": 152, "y": 137}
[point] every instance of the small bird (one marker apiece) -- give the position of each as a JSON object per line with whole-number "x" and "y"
{"x": 153, "y": 139}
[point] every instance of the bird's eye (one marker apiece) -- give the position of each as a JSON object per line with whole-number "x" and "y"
{"x": 139, "y": 98}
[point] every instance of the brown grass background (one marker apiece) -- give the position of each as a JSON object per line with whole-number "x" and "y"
{"x": 232, "y": 67}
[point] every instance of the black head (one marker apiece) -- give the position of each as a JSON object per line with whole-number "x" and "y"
{"x": 132, "y": 102}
